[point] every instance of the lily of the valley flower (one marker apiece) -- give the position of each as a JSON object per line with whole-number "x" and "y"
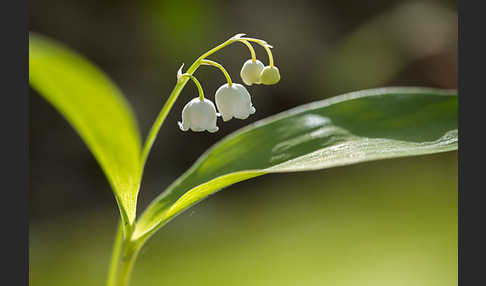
{"x": 199, "y": 115}
{"x": 270, "y": 75}
{"x": 234, "y": 101}
{"x": 251, "y": 70}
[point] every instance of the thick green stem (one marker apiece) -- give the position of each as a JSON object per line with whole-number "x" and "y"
{"x": 123, "y": 259}
{"x": 127, "y": 261}
{"x": 115, "y": 257}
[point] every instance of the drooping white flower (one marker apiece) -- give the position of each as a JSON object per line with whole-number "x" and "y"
{"x": 199, "y": 115}
{"x": 234, "y": 101}
{"x": 270, "y": 75}
{"x": 250, "y": 72}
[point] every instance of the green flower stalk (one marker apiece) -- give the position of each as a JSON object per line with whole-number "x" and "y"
{"x": 199, "y": 114}
{"x": 419, "y": 121}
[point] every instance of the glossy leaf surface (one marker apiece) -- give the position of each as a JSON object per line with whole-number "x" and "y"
{"x": 352, "y": 128}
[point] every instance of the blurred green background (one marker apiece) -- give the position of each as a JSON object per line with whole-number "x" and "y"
{"x": 390, "y": 222}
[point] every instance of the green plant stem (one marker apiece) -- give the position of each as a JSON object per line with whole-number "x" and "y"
{"x": 265, "y": 45}
{"x": 125, "y": 250}
{"x": 173, "y": 97}
{"x": 252, "y": 50}
{"x": 127, "y": 261}
{"x": 197, "y": 83}
{"x": 219, "y": 66}
{"x": 115, "y": 257}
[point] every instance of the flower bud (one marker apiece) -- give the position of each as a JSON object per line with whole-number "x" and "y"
{"x": 234, "y": 101}
{"x": 250, "y": 72}
{"x": 199, "y": 115}
{"x": 270, "y": 75}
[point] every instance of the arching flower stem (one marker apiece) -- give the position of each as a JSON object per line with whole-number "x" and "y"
{"x": 270, "y": 56}
{"x": 219, "y": 66}
{"x": 180, "y": 85}
{"x": 130, "y": 242}
{"x": 264, "y": 45}
{"x": 252, "y": 50}
{"x": 149, "y": 142}
{"x": 198, "y": 84}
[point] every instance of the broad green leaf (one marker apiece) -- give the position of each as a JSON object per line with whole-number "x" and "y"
{"x": 96, "y": 109}
{"x": 352, "y": 128}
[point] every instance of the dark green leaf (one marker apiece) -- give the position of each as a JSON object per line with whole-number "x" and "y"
{"x": 348, "y": 129}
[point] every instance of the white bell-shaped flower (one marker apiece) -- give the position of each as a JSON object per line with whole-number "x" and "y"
{"x": 250, "y": 72}
{"x": 199, "y": 115}
{"x": 270, "y": 75}
{"x": 234, "y": 101}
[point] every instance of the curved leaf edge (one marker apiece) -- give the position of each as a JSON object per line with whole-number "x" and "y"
{"x": 36, "y": 41}
{"x": 200, "y": 192}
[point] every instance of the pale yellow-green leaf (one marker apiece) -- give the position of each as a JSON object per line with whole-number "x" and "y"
{"x": 96, "y": 109}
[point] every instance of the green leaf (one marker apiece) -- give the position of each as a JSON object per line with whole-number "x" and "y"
{"x": 352, "y": 128}
{"x": 96, "y": 109}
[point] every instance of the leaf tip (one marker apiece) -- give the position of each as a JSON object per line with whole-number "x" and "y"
{"x": 179, "y": 72}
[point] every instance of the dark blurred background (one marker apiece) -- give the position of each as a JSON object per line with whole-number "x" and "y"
{"x": 331, "y": 227}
